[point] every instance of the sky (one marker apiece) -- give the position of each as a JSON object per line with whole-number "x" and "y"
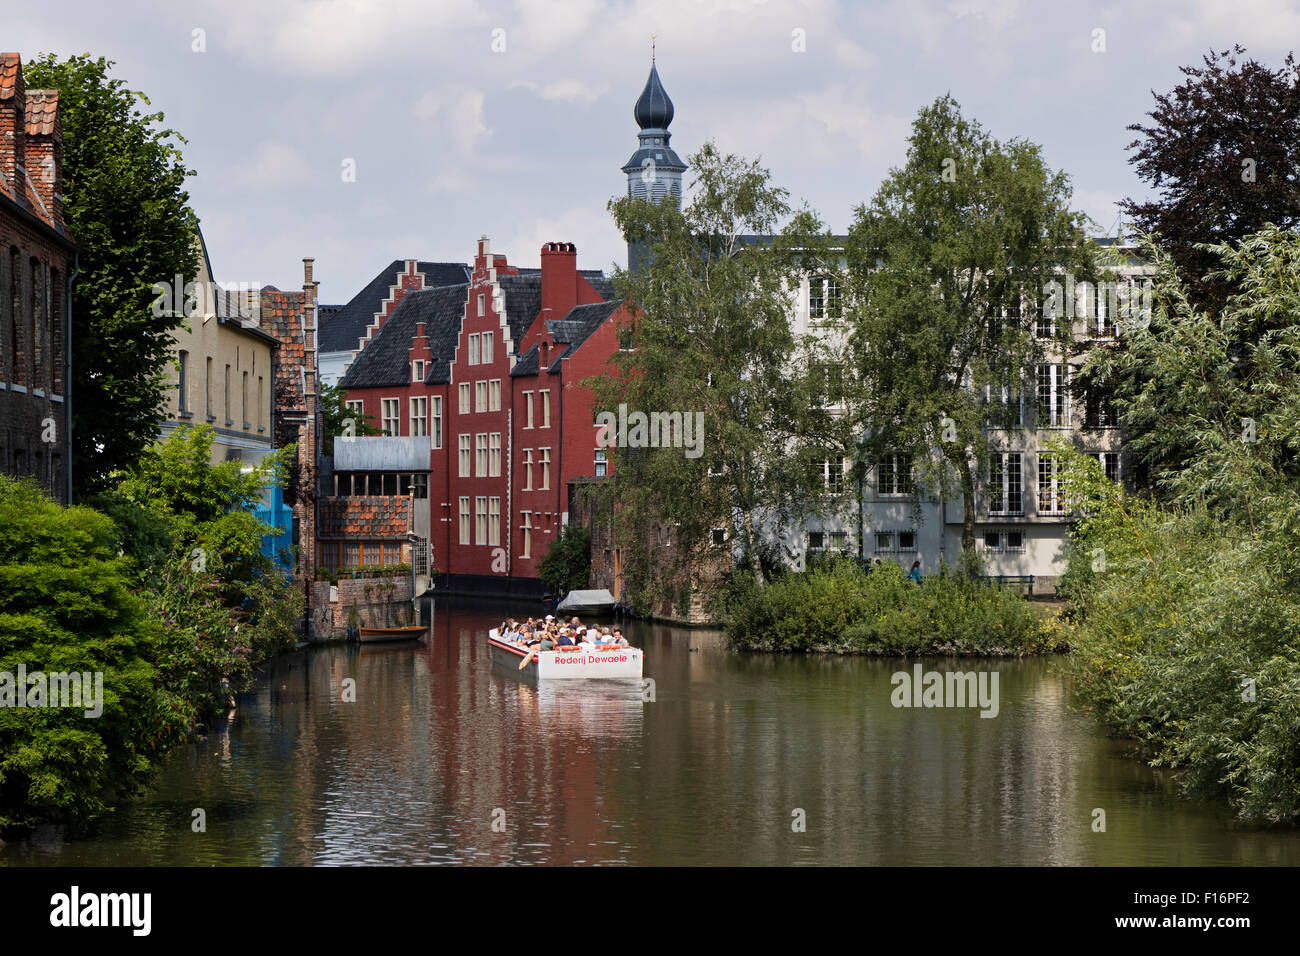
{"x": 458, "y": 118}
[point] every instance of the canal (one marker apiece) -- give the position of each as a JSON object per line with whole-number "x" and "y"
{"x": 739, "y": 759}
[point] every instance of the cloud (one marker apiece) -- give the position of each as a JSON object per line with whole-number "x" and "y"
{"x": 572, "y": 91}
{"x": 591, "y": 229}
{"x": 273, "y": 165}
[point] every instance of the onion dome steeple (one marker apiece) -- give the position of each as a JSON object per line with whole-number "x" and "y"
{"x": 654, "y": 172}
{"x": 654, "y": 109}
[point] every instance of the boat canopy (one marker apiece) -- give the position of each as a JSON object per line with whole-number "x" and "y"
{"x": 586, "y": 601}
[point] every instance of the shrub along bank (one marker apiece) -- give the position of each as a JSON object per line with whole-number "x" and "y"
{"x": 839, "y": 608}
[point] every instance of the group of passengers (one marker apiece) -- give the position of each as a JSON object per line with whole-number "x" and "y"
{"x": 549, "y": 634}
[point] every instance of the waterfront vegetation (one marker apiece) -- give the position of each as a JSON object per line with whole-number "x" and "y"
{"x": 1186, "y": 608}
{"x": 162, "y": 588}
{"x": 837, "y": 607}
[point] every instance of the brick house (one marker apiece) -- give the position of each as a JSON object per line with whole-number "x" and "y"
{"x": 489, "y": 371}
{"x": 38, "y": 263}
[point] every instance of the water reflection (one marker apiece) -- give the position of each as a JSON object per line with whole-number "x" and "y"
{"x": 418, "y": 753}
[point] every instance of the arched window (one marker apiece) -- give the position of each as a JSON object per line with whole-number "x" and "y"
{"x": 17, "y": 347}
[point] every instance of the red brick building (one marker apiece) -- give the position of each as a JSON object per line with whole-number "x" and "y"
{"x": 37, "y": 264}
{"x": 489, "y": 370}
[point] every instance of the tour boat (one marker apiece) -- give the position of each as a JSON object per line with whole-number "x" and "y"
{"x": 600, "y": 661}
{"x": 411, "y": 632}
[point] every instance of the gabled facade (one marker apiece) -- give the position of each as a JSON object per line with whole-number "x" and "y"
{"x": 489, "y": 372}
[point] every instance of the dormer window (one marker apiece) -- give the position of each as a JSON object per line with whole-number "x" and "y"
{"x": 417, "y": 370}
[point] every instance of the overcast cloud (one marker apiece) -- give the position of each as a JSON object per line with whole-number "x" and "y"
{"x": 452, "y": 140}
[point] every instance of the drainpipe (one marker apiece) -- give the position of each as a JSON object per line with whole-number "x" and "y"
{"x": 67, "y": 361}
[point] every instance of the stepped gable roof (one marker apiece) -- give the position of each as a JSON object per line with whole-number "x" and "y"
{"x": 383, "y": 362}
{"x": 342, "y": 330}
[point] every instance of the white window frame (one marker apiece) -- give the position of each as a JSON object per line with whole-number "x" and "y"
{"x": 546, "y": 407}
{"x": 464, "y": 398}
{"x": 464, "y": 520}
{"x": 474, "y": 353}
{"x": 1003, "y": 476}
{"x": 395, "y": 418}
{"x": 481, "y": 455}
{"x": 465, "y": 442}
{"x": 546, "y": 469}
{"x": 436, "y": 421}
{"x": 419, "y": 405}
{"x": 494, "y": 455}
{"x": 480, "y": 519}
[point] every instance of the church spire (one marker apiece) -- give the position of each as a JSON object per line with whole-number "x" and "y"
{"x": 654, "y": 172}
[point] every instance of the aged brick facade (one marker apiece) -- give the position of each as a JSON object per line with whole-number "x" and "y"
{"x": 37, "y": 259}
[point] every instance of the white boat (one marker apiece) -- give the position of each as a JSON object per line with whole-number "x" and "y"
{"x": 569, "y": 663}
{"x": 586, "y": 602}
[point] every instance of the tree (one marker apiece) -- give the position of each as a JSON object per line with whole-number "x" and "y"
{"x": 126, "y": 207}
{"x": 567, "y": 564}
{"x": 946, "y": 266}
{"x": 336, "y": 416}
{"x": 712, "y": 343}
{"x": 1223, "y": 152}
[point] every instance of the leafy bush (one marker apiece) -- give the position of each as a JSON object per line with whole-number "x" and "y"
{"x": 840, "y": 608}
{"x": 567, "y": 564}
{"x": 65, "y": 605}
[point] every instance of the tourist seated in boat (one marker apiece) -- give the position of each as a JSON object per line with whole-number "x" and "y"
{"x": 619, "y": 639}
{"x": 566, "y": 639}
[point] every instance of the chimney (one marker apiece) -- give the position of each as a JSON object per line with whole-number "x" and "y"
{"x": 44, "y": 153}
{"x": 559, "y": 278}
{"x": 13, "y": 122}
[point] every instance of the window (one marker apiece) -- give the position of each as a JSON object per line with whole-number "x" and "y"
{"x": 36, "y": 319}
{"x": 481, "y": 303}
{"x": 816, "y": 540}
{"x": 494, "y": 455}
{"x": 464, "y": 520}
{"x": 420, "y": 415}
{"x": 526, "y": 534}
{"x": 480, "y": 520}
{"x": 229, "y": 420}
{"x": 718, "y": 537}
{"x": 488, "y": 338}
{"x": 417, "y": 370}
{"x": 182, "y": 369}
{"x": 824, "y": 298}
{"x": 391, "y": 416}
{"x": 1050, "y": 499}
{"x": 480, "y": 396}
{"x": 893, "y": 541}
{"x": 1053, "y": 396}
{"x": 437, "y": 421}
{"x": 243, "y": 399}
{"x": 464, "y": 398}
{"x": 1005, "y": 483}
{"x": 474, "y": 350}
{"x": 1099, "y": 411}
{"x": 481, "y": 455}
{"x": 528, "y": 469}
{"x": 261, "y": 407}
{"x": 1045, "y": 324}
{"x": 546, "y": 408}
{"x": 602, "y": 463}
{"x": 420, "y": 486}
{"x": 894, "y": 475}
{"x": 494, "y": 395}
{"x": 828, "y": 384}
{"x": 1004, "y": 406}
{"x": 463, "y": 441}
{"x": 494, "y": 521}
{"x": 17, "y": 349}
{"x": 207, "y": 389}
{"x": 546, "y": 469}
{"x": 907, "y": 541}
{"x": 828, "y": 473}
{"x": 1110, "y": 463}
{"x": 1006, "y": 541}
{"x": 528, "y": 409}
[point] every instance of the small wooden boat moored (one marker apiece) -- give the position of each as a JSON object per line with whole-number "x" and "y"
{"x": 373, "y": 635}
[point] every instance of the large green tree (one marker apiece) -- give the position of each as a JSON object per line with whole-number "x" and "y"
{"x": 1222, "y": 154}
{"x": 712, "y": 337}
{"x": 126, "y": 206}
{"x": 947, "y": 266}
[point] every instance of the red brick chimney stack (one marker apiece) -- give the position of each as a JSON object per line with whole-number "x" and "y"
{"x": 559, "y": 278}
{"x": 13, "y": 122}
{"x": 43, "y": 151}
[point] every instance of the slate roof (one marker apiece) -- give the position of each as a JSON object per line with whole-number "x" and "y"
{"x": 574, "y": 329}
{"x": 523, "y": 294}
{"x": 653, "y": 109}
{"x": 343, "y": 329}
{"x": 383, "y": 361}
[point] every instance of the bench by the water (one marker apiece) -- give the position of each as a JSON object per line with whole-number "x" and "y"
{"x": 1012, "y": 580}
